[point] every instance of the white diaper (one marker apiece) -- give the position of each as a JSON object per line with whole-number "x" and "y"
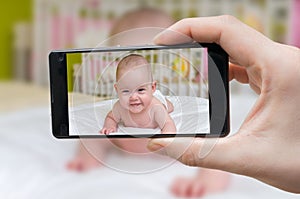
{"x": 161, "y": 98}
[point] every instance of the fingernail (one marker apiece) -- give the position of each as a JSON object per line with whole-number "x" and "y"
{"x": 153, "y": 146}
{"x": 156, "y": 144}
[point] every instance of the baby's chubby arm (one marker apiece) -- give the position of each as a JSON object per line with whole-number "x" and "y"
{"x": 169, "y": 126}
{"x": 111, "y": 121}
{"x": 110, "y": 124}
{"x": 160, "y": 97}
{"x": 163, "y": 119}
{"x": 170, "y": 106}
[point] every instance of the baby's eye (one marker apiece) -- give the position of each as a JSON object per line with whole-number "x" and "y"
{"x": 141, "y": 90}
{"x": 125, "y": 91}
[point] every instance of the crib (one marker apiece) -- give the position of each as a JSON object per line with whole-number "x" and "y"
{"x": 178, "y": 72}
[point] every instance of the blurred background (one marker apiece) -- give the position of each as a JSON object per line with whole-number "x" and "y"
{"x": 31, "y": 28}
{"x": 33, "y": 161}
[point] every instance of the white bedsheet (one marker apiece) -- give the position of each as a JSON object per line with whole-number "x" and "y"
{"x": 190, "y": 115}
{"x": 32, "y": 166}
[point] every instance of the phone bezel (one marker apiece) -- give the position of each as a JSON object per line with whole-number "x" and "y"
{"x": 218, "y": 94}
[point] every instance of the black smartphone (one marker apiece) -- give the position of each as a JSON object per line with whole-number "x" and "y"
{"x": 191, "y": 79}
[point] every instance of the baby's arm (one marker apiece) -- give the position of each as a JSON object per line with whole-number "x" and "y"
{"x": 169, "y": 126}
{"x": 163, "y": 119}
{"x": 170, "y": 106}
{"x": 111, "y": 121}
{"x": 110, "y": 124}
{"x": 160, "y": 97}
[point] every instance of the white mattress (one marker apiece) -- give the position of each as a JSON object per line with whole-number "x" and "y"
{"x": 32, "y": 166}
{"x": 190, "y": 115}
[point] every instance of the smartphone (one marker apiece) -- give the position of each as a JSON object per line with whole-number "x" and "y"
{"x": 191, "y": 78}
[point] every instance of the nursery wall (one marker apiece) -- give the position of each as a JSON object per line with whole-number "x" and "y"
{"x": 11, "y": 12}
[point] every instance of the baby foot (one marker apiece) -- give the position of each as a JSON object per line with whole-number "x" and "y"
{"x": 83, "y": 163}
{"x": 207, "y": 182}
{"x": 85, "y": 159}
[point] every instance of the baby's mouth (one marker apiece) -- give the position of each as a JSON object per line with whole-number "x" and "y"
{"x": 136, "y": 107}
{"x": 135, "y": 104}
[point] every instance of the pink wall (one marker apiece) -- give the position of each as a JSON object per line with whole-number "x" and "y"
{"x": 295, "y": 28}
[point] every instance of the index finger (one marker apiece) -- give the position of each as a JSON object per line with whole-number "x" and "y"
{"x": 243, "y": 44}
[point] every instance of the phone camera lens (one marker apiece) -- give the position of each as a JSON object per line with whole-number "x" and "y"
{"x": 61, "y": 58}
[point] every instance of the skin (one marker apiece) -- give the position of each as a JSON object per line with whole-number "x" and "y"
{"x": 205, "y": 182}
{"x": 136, "y": 106}
{"x": 92, "y": 151}
{"x": 268, "y": 141}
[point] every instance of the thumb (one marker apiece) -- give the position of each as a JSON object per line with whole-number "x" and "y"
{"x": 215, "y": 153}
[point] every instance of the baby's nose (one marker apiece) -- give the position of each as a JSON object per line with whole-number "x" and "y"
{"x": 133, "y": 95}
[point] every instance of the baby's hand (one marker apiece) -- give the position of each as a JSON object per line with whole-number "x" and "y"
{"x": 107, "y": 131}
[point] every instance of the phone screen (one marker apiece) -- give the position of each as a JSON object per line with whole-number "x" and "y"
{"x": 181, "y": 86}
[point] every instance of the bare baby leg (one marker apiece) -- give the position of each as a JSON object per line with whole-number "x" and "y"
{"x": 89, "y": 154}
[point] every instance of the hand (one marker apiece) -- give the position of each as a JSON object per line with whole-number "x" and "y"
{"x": 108, "y": 130}
{"x": 267, "y": 145}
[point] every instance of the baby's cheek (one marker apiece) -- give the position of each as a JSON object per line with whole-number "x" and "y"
{"x": 123, "y": 101}
{"x": 147, "y": 100}
{"x": 123, "y": 97}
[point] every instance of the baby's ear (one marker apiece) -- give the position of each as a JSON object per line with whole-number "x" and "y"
{"x": 116, "y": 87}
{"x": 153, "y": 86}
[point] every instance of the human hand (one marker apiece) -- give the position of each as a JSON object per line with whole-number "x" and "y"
{"x": 267, "y": 145}
{"x": 108, "y": 130}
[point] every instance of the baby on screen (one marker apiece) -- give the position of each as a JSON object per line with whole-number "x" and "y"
{"x": 91, "y": 151}
{"x": 139, "y": 103}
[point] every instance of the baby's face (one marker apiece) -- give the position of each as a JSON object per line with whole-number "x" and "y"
{"x": 135, "y": 89}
